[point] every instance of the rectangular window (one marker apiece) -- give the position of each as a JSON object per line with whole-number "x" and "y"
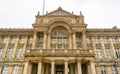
{"x": 88, "y": 41}
{"x": 99, "y": 53}
{"x": 103, "y": 70}
{"x": 114, "y": 70}
{"x": 15, "y": 70}
{"x": 13, "y": 40}
{"x": 21, "y": 40}
{"x": 59, "y": 40}
{"x": 1, "y": 52}
{"x": 4, "y": 40}
{"x": 108, "y": 52}
{"x": 10, "y": 52}
{"x": 117, "y": 51}
{"x": 40, "y": 38}
{"x": 97, "y": 40}
{"x": 4, "y": 70}
{"x": 30, "y": 41}
{"x": 19, "y": 53}
{"x": 106, "y": 40}
{"x": 78, "y": 39}
{"x": 114, "y": 40}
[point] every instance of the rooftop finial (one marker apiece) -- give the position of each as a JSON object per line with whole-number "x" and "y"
{"x": 38, "y": 13}
{"x": 59, "y": 8}
{"x": 81, "y": 13}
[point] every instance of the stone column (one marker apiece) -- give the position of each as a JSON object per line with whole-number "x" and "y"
{"x": 10, "y": 69}
{"x": 79, "y": 67}
{"x": 52, "y": 67}
{"x": 103, "y": 48}
{"x": 113, "y": 49}
{"x": 70, "y": 41}
{"x": 66, "y": 67}
{"x": 49, "y": 41}
{"x": 45, "y": 41}
{"x": 74, "y": 40}
{"x": 26, "y": 68}
{"x": 6, "y": 46}
{"x": 25, "y": 46}
{"x": 84, "y": 40}
{"x": 15, "y": 47}
{"x": 34, "y": 40}
{"x": 93, "y": 70}
{"x": 40, "y": 67}
{"x": 94, "y": 45}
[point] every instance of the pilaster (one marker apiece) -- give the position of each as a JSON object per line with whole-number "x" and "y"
{"x": 113, "y": 49}
{"x": 74, "y": 40}
{"x": 6, "y": 47}
{"x": 70, "y": 41}
{"x": 49, "y": 41}
{"x": 26, "y": 67}
{"x": 40, "y": 67}
{"x": 25, "y": 45}
{"x": 94, "y": 45}
{"x": 79, "y": 67}
{"x": 84, "y": 43}
{"x": 103, "y": 47}
{"x": 45, "y": 41}
{"x": 52, "y": 67}
{"x": 10, "y": 69}
{"x": 15, "y": 47}
{"x": 34, "y": 40}
{"x": 92, "y": 64}
{"x": 66, "y": 67}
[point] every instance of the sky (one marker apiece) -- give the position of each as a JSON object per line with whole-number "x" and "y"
{"x": 97, "y": 13}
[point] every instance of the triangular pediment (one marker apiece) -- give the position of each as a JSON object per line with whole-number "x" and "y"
{"x": 60, "y": 12}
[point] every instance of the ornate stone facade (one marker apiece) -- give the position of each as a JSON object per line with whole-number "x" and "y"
{"x": 60, "y": 43}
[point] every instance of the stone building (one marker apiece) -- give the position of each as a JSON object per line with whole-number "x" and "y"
{"x": 59, "y": 43}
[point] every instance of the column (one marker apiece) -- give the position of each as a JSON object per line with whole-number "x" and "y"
{"x": 66, "y": 67}
{"x": 0, "y": 69}
{"x": 25, "y": 46}
{"x": 26, "y": 67}
{"x": 103, "y": 48}
{"x": 93, "y": 70}
{"x": 10, "y": 69}
{"x": 45, "y": 41}
{"x": 79, "y": 67}
{"x": 84, "y": 42}
{"x": 52, "y": 67}
{"x": 74, "y": 40}
{"x": 15, "y": 47}
{"x": 48, "y": 41}
{"x": 70, "y": 41}
{"x": 94, "y": 45}
{"x": 112, "y": 48}
{"x": 6, "y": 46}
{"x": 34, "y": 40}
{"x": 40, "y": 67}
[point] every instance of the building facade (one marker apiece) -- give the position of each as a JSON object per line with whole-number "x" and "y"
{"x": 60, "y": 43}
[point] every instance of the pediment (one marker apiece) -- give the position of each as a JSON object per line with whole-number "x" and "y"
{"x": 60, "y": 12}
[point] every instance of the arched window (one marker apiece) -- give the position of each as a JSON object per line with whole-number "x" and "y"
{"x": 4, "y": 70}
{"x": 59, "y": 38}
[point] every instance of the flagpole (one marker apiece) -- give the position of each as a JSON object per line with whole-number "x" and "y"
{"x": 43, "y": 6}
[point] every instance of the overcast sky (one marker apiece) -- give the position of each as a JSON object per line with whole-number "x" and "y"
{"x": 98, "y": 13}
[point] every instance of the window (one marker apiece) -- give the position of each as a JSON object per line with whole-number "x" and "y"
{"x": 59, "y": 40}
{"x": 4, "y": 40}
{"x": 13, "y": 40}
{"x": 9, "y": 55}
{"x": 114, "y": 40}
{"x": 1, "y": 52}
{"x": 78, "y": 39}
{"x": 19, "y": 54}
{"x": 30, "y": 41}
{"x": 108, "y": 52}
{"x": 99, "y": 53}
{"x": 15, "y": 70}
{"x": 114, "y": 70}
{"x": 106, "y": 40}
{"x": 53, "y": 40}
{"x": 40, "y": 38}
{"x": 97, "y": 40}
{"x": 65, "y": 40}
{"x": 88, "y": 40}
{"x": 4, "y": 70}
{"x": 117, "y": 51}
{"x": 103, "y": 70}
{"x": 21, "y": 40}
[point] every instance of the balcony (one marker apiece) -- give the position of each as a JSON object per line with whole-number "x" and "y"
{"x": 59, "y": 53}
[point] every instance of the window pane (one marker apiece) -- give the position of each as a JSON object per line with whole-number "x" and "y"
{"x": 9, "y": 55}
{"x": 19, "y": 54}
{"x": 15, "y": 70}
{"x": 1, "y": 52}
{"x": 4, "y": 70}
